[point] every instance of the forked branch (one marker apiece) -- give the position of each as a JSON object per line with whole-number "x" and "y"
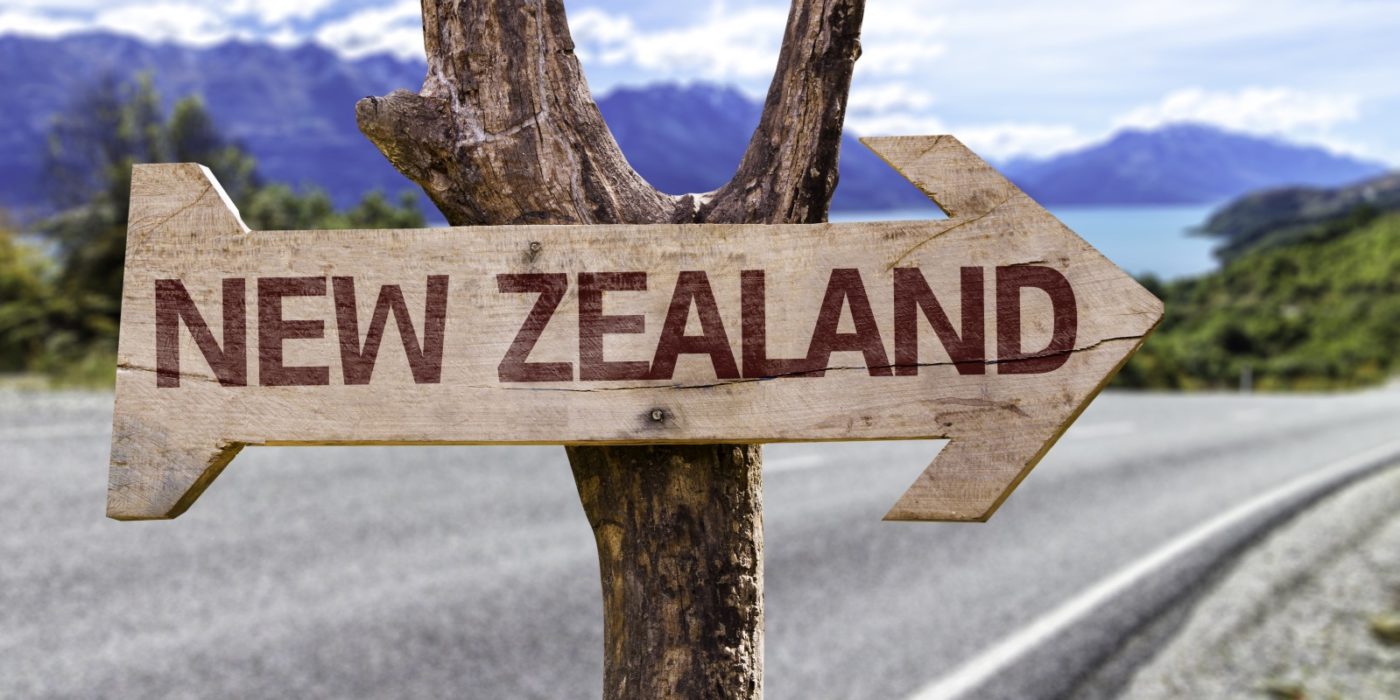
{"x": 505, "y": 131}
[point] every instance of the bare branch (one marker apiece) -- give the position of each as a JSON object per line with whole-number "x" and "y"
{"x": 788, "y": 173}
{"x": 504, "y": 130}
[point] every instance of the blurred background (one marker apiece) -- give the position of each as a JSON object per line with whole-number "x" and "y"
{"x": 1239, "y": 157}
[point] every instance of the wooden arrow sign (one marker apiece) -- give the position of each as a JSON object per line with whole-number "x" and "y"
{"x": 993, "y": 328}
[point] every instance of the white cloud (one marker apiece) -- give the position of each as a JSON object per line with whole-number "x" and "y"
{"x": 895, "y": 124}
{"x": 739, "y": 44}
{"x": 1283, "y": 112}
{"x": 277, "y": 11}
{"x": 892, "y": 109}
{"x": 1292, "y": 114}
{"x": 188, "y": 24}
{"x": 38, "y": 24}
{"x": 60, "y": 5}
{"x": 601, "y": 28}
{"x": 395, "y": 29}
{"x": 900, "y": 38}
{"x": 1295, "y": 115}
{"x": 888, "y": 97}
{"x": 183, "y": 21}
{"x": 266, "y": 11}
{"x": 1261, "y": 110}
{"x": 742, "y": 43}
{"x": 1009, "y": 140}
{"x": 191, "y": 23}
{"x": 999, "y": 141}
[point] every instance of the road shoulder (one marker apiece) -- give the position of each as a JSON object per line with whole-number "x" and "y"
{"x": 1293, "y": 617}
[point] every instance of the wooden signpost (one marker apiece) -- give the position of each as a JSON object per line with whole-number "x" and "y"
{"x": 993, "y": 329}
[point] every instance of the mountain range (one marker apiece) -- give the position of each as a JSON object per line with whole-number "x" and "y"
{"x": 293, "y": 109}
{"x": 1181, "y": 164}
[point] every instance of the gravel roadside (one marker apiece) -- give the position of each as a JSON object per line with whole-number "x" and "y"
{"x": 1306, "y": 613}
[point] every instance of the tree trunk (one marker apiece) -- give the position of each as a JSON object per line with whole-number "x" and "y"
{"x": 504, "y": 131}
{"x": 680, "y": 544}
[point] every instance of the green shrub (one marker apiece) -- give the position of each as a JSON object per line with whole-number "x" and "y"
{"x": 1319, "y": 313}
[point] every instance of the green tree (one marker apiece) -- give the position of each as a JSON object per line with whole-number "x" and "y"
{"x": 92, "y": 148}
{"x": 1319, "y": 312}
{"x": 25, "y": 296}
{"x": 110, "y": 127}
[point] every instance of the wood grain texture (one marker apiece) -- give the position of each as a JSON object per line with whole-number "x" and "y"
{"x": 170, "y": 443}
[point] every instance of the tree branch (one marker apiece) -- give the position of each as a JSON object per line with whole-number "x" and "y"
{"x": 788, "y": 173}
{"x": 504, "y": 130}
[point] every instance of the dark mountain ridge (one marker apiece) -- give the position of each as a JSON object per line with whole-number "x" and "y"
{"x": 1181, "y": 164}
{"x": 293, "y": 109}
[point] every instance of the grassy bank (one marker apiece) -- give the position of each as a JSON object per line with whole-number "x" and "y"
{"x": 1322, "y": 312}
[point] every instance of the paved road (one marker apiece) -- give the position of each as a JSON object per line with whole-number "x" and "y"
{"x": 470, "y": 572}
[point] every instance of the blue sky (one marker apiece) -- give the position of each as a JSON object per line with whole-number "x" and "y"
{"x": 1024, "y": 77}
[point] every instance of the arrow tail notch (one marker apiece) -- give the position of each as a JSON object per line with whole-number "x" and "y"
{"x": 158, "y": 468}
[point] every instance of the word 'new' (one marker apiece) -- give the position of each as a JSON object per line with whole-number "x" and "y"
{"x": 913, "y": 299}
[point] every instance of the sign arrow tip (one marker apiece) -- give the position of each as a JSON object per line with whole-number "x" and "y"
{"x": 996, "y": 446}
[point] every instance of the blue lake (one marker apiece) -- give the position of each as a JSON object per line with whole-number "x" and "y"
{"x": 1138, "y": 239}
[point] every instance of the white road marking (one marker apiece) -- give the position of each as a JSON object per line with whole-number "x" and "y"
{"x": 1101, "y": 430}
{"x": 56, "y": 430}
{"x": 976, "y": 671}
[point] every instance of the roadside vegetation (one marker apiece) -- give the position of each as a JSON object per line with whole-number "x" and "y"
{"x": 60, "y": 290}
{"x": 1317, "y": 307}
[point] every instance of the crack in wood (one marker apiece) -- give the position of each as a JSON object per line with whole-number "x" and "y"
{"x": 955, "y": 226}
{"x": 144, "y": 231}
{"x": 803, "y": 373}
{"x": 710, "y": 385}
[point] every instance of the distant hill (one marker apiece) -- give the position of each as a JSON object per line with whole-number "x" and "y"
{"x": 690, "y": 139}
{"x": 1317, "y": 313}
{"x": 1291, "y": 214}
{"x": 293, "y": 109}
{"x": 1181, "y": 164}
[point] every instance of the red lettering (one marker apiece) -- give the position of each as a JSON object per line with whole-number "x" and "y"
{"x": 593, "y": 325}
{"x": 1010, "y": 358}
{"x": 754, "y": 303}
{"x": 173, "y": 303}
{"x": 911, "y": 295}
{"x": 513, "y": 367}
{"x": 844, "y": 288}
{"x": 693, "y": 287}
{"x": 425, "y": 361}
{"x": 273, "y": 330}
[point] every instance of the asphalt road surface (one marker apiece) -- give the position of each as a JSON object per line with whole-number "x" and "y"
{"x": 471, "y": 572}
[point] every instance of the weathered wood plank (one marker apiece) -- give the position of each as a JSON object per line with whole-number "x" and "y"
{"x": 307, "y": 376}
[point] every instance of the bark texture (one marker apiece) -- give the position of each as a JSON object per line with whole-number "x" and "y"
{"x": 682, "y": 579}
{"x": 504, "y": 131}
